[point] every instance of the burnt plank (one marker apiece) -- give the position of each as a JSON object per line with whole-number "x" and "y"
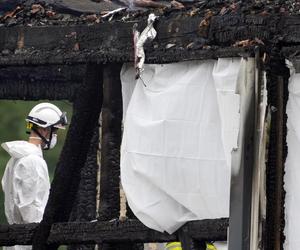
{"x": 230, "y": 28}
{"x": 179, "y": 37}
{"x": 111, "y": 232}
{"x": 110, "y": 143}
{"x": 17, "y": 234}
{"x": 165, "y": 56}
{"x": 109, "y": 205}
{"x": 59, "y": 82}
{"x": 133, "y": 231}
{"x": 85, "y": 206}
{"x": 277, "y": 85}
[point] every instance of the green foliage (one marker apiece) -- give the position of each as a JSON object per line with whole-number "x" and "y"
{"x": 13, "y": 127}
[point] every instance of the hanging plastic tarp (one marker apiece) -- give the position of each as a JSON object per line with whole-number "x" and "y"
{"x": 225, "y": 75}
{"x": 292, "y": 170}
{"x": 175, "y": 160}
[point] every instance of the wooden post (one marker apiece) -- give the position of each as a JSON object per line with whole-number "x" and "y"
{"x": 85, "y": 206}
{"x": 277, "y": 84}
{"x": 52, "y": 82}
{"x": 112, "y": 114}
{"x": 109, "y": 208}
{"x": 110, "y": 143}
{"x": 87, "y": 107}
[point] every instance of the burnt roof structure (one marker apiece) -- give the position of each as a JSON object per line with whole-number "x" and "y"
{"x": 210, "y": 30}
{"x": 52, "y": 52}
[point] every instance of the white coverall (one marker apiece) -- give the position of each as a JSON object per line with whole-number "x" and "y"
{"x": 25, "y": 184}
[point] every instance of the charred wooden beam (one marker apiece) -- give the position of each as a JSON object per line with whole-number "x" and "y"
{"x": 131, "y": 245}
{"x": 58, "y": 82}
{"x": 113, "y": 232}
{"x": 181, "y": 36}
{"x": 85, "y": 205}
{"x": 110, "y": 143}
{"x": 109, "y": 207}
{"x": 277, "y": 84}
{"x": 165, "y": 55}
{"x": 87, "y": 107}
{"x": 21, "y": 234}
{"x": 133, "y": 231}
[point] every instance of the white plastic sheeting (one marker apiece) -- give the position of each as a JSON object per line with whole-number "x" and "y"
{"x": 225, "y": 75}
{"x": 292, "y": 169}
{"x": 174, "y": 165}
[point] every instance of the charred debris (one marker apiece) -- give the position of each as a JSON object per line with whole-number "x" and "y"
{"x": 70, "y": 12}
{"x": 186, "y": 30}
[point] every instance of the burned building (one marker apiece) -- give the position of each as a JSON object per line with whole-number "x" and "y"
{"x": 55, "y": 52}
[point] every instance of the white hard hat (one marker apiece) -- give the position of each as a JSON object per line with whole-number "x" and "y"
{"x": 46, "y": 115}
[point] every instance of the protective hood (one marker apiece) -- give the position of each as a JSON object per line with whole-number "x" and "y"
{"x": 19, "y": 149}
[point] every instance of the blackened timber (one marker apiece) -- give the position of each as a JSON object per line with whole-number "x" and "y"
{"x": 87, "y": 107}
{"x": 59, "y": 82}
{"x": 110, "y": 143}
{"x": 85, "y": 205}
{"x": 132, "y": 231}
{"x": 181, "y": 37}
{"x": 21, "y": 234}
{"x": 277, "y": 86}
{"x": 114, "y": 232}
{"x": 38, "y": 57}
{"x": 132, "y": 246}
{"x": 109, "y": 207}
{"x": 110, "y": 150}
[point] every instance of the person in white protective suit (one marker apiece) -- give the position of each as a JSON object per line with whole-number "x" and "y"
{"x": 26, "y": 181}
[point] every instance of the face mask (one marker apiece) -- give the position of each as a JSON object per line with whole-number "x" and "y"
{"x": 53, "y": 141}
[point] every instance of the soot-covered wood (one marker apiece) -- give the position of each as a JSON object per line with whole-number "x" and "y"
{"x": 110, "y": 143}
{"x": 131, "y": 245}
{"x": 112, "y": 114}
{"x": 58, "y": 82}
{"x": 85, "y": 206}
{"x": 17, "y": 234}
{"x": 87, "y": 107}
{"x": 133, "y": 231}
{"x": 113, "y": 232}
{"x": 277, "y": 86}
{"x": 109, "y": 207}
{"x": 181, "y": 36}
